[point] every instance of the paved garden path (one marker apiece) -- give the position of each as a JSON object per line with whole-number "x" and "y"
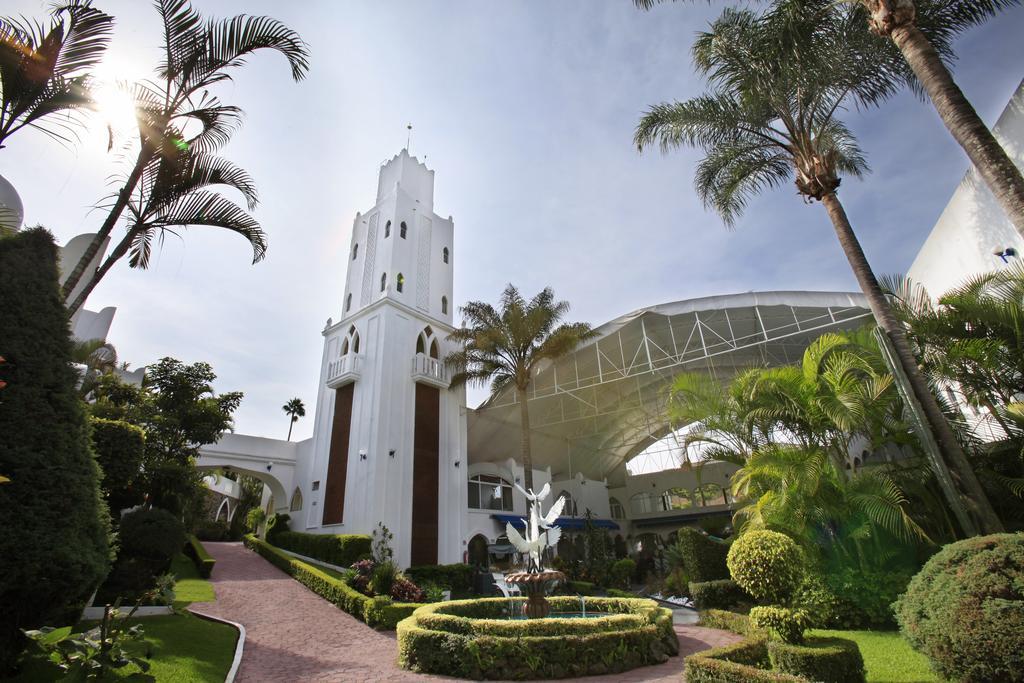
{"x": 294, "y": 635}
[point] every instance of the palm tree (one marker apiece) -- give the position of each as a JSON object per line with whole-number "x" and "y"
{"x": 98, "y": 357}
{"x": 46, "y": 72}
{"x": 923, "y": 31}
{"x": 295, "y": 409}
{"x": 505, "y": 347}
{"x": 181, "y": 124}
{"x": 778, "y": 82}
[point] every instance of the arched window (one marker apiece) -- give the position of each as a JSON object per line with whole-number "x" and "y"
{"x": 478, "y": 551}
{"x": 676, "y": 499}
{"x": 444, "y": 255}
{"x": 487, "y": 492}
{"x": 433, "y": 350}
{"x": 618, "y": 512}
{"x": 444, "y": 305}
{"x": 344, "y": 347}
{"x": 387, "y": 230}
{"x": 355, "y": 251}
{"x": 383, "y": 281}
{"x": 402, "y": 230}
{"x": 421, "y": 346}
{"x": 710, "y": 494}
{"x": 399, "y": 282}
{"x": 296, "y": 503}
{"x": 348, "y": 302}
{"x": 355, "y": 343}
{"x": 642, "y": 503}
{"x": 570, "y": 505}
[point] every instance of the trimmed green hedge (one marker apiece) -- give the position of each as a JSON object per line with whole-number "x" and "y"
{"x": 829, "y": 660}
{"x": 469, "y": 639}
{"x": 339, "y": 549}
{"x": 742, "y": 662}
{"x": 729, "y": 621}
{"x": 455, "y": 577}
{"x": 703, "y": 557}
{"x": 581, "y": 587}
{"x": 718, "y": 594}
{"x": 380, "y": 613}
{"x": 197, "y": 553}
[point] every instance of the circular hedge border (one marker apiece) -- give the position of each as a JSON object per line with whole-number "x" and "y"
{"x": 475, "y": 639}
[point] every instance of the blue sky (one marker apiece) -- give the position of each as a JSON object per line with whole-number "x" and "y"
{"x": 525, "y": 110}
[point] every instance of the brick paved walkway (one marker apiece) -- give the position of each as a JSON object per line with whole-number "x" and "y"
{"x": 294, "y": 635}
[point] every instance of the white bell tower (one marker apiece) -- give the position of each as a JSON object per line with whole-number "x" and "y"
{"x": 389, "y": 441}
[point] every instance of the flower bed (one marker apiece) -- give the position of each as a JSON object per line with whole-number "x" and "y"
{"x": 380, "y": 613}
{"x": 475, "y": 639}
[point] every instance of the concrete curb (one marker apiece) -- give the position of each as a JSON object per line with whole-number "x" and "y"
{"x": 239, "y": 645}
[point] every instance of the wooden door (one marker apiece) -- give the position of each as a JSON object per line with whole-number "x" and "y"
{"x": 426, "y": 448}
{"x": 337, "y": 463}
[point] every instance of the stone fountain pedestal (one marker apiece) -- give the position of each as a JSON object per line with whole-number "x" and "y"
{"x": 535, "y": 586}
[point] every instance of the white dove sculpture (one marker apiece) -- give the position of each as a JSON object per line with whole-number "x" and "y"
{"x": 536, "y": 540}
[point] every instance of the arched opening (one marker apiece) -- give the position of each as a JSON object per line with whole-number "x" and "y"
{"x": 444, "y": 255}
{"x": 676, "y": 499}
{"x": 444, "y": 305}
{"x": 477, "y": 551}
{"x": 642, "y": 503}
{"x": 355, "y": 343}
{"x": 355, "y": 251}
{"x": 224, "y": 507}
{"x": 399, "y": 282}
{"x": 348, "y": 302}
{"x": 420, "y": 345}
{"x": 433, "y": 349}
{"x": 296, "y": 503}
{"x": 711, "y": 494}
{"x": 618, "y": 512}
{"x": 402, "y": 230}
{"x": 387, "y": 230}
{"x": 344, "y": 346}
{"x": 383, "y": 281}
{"x": 570, "y": 504}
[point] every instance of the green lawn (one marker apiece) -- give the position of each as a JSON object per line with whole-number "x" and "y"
{"x": 887, "y": 656}
{"x": 182, "y": 649}
{"x": 190, "y": 587}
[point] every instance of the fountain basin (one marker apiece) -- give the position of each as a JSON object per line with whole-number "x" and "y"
{"x": 482, "y": 639}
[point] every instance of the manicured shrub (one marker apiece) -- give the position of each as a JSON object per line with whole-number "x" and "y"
{"x": 743, "y": 662}
{"x": 119, "y": 448}
{"x": 203, "y": 561}
{"x": 703, "y": 558}
{"x": 453, "y": 577}
{"x": 828, "y": 660}
{"x": 458, "y": 639}
{"x": 865, "y": 597}
{"x": 780, "y": 623}
{"x": 729, "y": 621}
{"x": 616, "y": 593}
{"x": 965, "y": 609}
{"x": 383, "y": 616}
{"x": 580, "y": 587}
{"x": 341, "y": 550}
{"x": 152, "y": 534}
{"x": 621, "y": 572}
{"x": 212, "y": 530}
{"x": 55, "y": 545}
{"x": 721, "y": 594}
{"x": 767, "y": 565}
{"x": 277, "y": 524}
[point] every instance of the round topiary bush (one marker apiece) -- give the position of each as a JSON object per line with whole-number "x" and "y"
{"x": 766, "y": 564}
{"x": 153, "y": 534}
{"x": 829, "y": 660}
{"x": 786, "y": 625}
{"x": 965, "y": 609}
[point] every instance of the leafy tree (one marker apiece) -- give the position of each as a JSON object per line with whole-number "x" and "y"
{"x": 181, "y": 126}
{"x": 503, "y": 347}
{"x": 45, "y": 73}
{"x": 120, "y": 448}
{"x": 179, "y": 411}
{"x": 294, "y": 409}
{"x": 923, "y": 31}
{"x": 777, "y": 82}
{"x": 55, "y": 546}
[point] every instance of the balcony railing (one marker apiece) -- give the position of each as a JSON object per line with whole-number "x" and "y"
{"x": 343, "y": 370}
{"x": 429, "y": 371}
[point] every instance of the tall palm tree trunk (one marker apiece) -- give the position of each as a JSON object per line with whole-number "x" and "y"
{"x": 997, "y": 170}
{"x": 524, "y": 436}
{"x": 94, "y": 279}
{"x": 108, "y": 225}
{"x": 291, "y": 423}
{"x": 952, "y": 452}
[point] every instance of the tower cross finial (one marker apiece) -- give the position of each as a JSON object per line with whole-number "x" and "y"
{"x": 408, "y": 137}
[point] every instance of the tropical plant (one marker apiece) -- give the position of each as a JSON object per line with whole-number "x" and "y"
{"x": 45, "y": 72}
{"x": 923, "y": 31}
{"x": 777, "y": 83}
{"x": 181, "y": 126}
{"x": 98, "y": 358}
{"x": 504, "y": 347}
{"x": 294, "y": 409}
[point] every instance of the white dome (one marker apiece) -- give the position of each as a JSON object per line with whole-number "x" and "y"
{"x": 12, "y": 213}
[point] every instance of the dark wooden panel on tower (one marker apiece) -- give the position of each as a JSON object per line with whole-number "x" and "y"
{"x": 337, "y": 463}
{"x": 426, "y": 450}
